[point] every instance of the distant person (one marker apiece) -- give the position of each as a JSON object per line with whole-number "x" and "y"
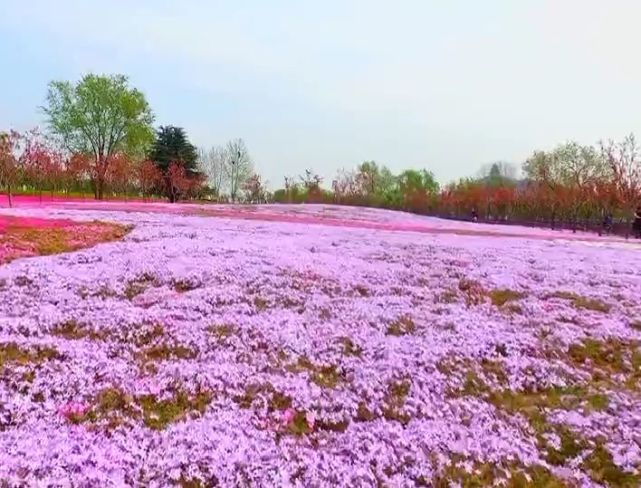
{"x": 475, "y": 215}
{"x": 636, "y": 225}
{"x": 607, "y": 223}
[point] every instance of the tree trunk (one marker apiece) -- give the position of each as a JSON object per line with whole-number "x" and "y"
{"x": 99, "y": 185}
{"x": 9, "y": 196}
{"x": 628, "y": 228}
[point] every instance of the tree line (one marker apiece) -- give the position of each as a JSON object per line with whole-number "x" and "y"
{"x": 573, "y": 186}
{"x": 100, "y": 140}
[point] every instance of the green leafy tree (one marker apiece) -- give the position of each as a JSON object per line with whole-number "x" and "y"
{"x": 173, "y": 146}
{"x": 418, "y": 189}
{"x": 387, "y": 181}
{"x": 100, "y": 116}
{"x": 369, "y": 176}
{"x": 176, "y": 158}
{"x": 374, "y": 181}
{"x": 422, "y": 181}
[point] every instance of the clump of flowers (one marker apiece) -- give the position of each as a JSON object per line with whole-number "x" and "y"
{"x": 297, "y": 422}
{"x": 73, "y": 411}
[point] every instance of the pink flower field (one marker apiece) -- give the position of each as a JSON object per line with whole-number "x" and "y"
{"x": 316, "y": 346}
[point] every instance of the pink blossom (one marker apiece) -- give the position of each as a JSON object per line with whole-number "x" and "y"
{"x": 288, "y": 416}
{"x": 73, "y": 410}
{"x": 311, "y": 419}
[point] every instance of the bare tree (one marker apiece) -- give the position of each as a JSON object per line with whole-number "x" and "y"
{"x": 213, "y": 162}
{"x": 239, "y": 166}
{"x": 255, "y": 189}
{"x": 624, "y": 160}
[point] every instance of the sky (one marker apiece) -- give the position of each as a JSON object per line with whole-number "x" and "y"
{"x": 447, "y": 86}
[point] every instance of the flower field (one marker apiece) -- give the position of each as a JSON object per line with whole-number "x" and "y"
{"x": 313, "y": 346}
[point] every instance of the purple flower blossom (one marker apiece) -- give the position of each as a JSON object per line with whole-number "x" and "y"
{"x": 226, "y": 351}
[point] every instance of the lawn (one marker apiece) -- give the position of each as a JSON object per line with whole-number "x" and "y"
{"x": 313, "y": 345}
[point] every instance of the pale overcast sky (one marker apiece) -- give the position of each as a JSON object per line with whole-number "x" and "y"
{"x": 445, "y": 85}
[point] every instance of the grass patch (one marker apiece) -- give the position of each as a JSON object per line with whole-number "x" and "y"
{"x": 158, "y": 414}
{"x": 473, "y": 380}
{"x": 103, "y": 292}
{"x": 612, "y": 356}
{"x": 502, "y": 296}
{"x": 191, "y": 483}
{"x": 473, "y": 385}
{"x": 513, "y": 308}
{"x": 533, "y": 405}
{"x": 362, "y": 290}
{"x": 149, "y": 335}
{"x": 139, "y": 285}
{"x": 395, "y": 397}
{"x": 364, "y": 414}
{"x": 495, "y": 370}
{"x": 333, "y": 426}
{"x": 525, "y": 402}
{"x": 165, "y": 352}
{"x": 581, "y": 302}
{"x": 261, "y": 304}
{"x": 602, "y": 469}
{"x": 12, "y": 353}
{"x": 114, "y": 407}
{"x": 222, "y": 332}
{"x": 183, "y": 286}
{"x": 350, "y": 348}
{"x": 448, "y": 296}
{"x": 571, "y": 446}
{"x": 55, "y": 240}
{"x": 299, "y": 426}
{"x": 491, "y": 474}
{"x": 324, "y": 376}
{"x": 72, "y": 330}
{"x": 598, "y": 402}
{"x": 401, "y": 326}
{"x": 275, "y": 400}
{"x": 474, "y": 292}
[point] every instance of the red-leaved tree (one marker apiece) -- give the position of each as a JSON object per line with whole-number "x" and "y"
{"x": 119, "y": 173}
{"x": 77, "y": 171}
{"x": 9, "y": 163}
{"x": 42, "y": 162}
{"x": 149, "y": 178}
{"x": 177, "y": 182}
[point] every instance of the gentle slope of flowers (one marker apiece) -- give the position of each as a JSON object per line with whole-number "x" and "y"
{"x": 202, "y": 351}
